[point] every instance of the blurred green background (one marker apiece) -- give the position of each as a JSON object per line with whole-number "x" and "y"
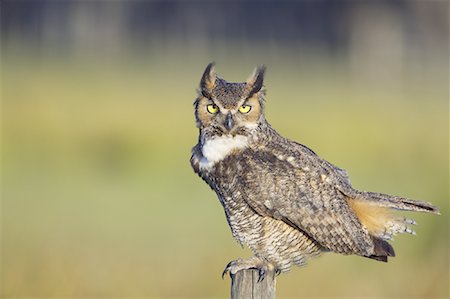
{"x": 98, "y": 197}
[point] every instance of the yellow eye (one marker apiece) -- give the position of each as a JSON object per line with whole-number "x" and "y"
{"x": 213, "y": 109}
{"x": 245, "y": 108}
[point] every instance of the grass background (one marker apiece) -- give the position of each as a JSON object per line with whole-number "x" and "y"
{"x": 99, "y": 200}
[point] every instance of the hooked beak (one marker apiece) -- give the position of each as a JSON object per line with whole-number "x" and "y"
{"x": 229, "y": 122}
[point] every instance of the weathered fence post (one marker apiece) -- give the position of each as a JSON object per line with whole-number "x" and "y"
{"x": 245, "y": 284}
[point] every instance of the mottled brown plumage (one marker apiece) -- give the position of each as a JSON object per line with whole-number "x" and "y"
{"x": 281, "y": 199}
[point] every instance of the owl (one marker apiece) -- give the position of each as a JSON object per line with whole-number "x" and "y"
{"x": 280, "y": 198}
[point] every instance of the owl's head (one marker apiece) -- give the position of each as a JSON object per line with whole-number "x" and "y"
{"x": 230, "y": 108}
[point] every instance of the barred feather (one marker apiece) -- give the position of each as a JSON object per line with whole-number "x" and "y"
{"x": 396, "y": 202}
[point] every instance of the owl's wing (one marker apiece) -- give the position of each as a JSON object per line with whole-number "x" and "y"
{"x": 304, "y": 199}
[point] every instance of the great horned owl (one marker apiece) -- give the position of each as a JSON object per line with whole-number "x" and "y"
{"x": 280, "y": 198}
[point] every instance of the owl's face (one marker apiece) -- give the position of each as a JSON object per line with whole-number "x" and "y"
{"x": 224, "y": 108}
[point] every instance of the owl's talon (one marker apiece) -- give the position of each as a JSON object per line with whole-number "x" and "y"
{"x": 223, "y": 273}
{"x": 252, "y": 263}
{"x": 277, "y": 272}
{"x": 227, "y": 269}
{"x": 262, "y": 274}
{"x": 232, "y": 268}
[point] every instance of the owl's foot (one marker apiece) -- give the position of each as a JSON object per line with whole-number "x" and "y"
{"x": 254, "y": 262}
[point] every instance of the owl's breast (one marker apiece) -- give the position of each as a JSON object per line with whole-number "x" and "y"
{"x": 223, "y": 176}
{"x": 217, "y": 162}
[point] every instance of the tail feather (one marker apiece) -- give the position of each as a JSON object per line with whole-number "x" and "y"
{"x": 374, "y": 211}
{"x": 397, "y": 202}
{"x": 382, "y": 250}
{"x": 379, "y": 258}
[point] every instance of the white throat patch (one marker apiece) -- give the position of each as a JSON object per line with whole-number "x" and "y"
{"x": 218, "y": 148}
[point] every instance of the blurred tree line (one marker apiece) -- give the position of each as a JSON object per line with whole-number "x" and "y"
{"x": 331, "y": 26}
{"x": 379, "y": 40}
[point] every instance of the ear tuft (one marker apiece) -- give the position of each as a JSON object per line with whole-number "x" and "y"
{"x": 208, "y": 80}
{"x": 256, "y": 80}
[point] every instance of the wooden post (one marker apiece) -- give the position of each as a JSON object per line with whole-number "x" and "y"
{"x": 245, "y": 285}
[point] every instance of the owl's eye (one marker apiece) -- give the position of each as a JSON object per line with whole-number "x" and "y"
{"x": 245, "y": 108}
{"x": 213, "y": 109}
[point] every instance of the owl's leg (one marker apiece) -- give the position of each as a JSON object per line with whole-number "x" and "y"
{"x": 254, "y": 262}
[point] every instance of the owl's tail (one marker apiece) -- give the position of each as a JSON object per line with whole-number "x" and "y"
{"x": 375, "y": 212}
{"x": 396, "y": 202}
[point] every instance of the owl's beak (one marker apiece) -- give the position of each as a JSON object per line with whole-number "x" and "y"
{"x": 229, "y": 123}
